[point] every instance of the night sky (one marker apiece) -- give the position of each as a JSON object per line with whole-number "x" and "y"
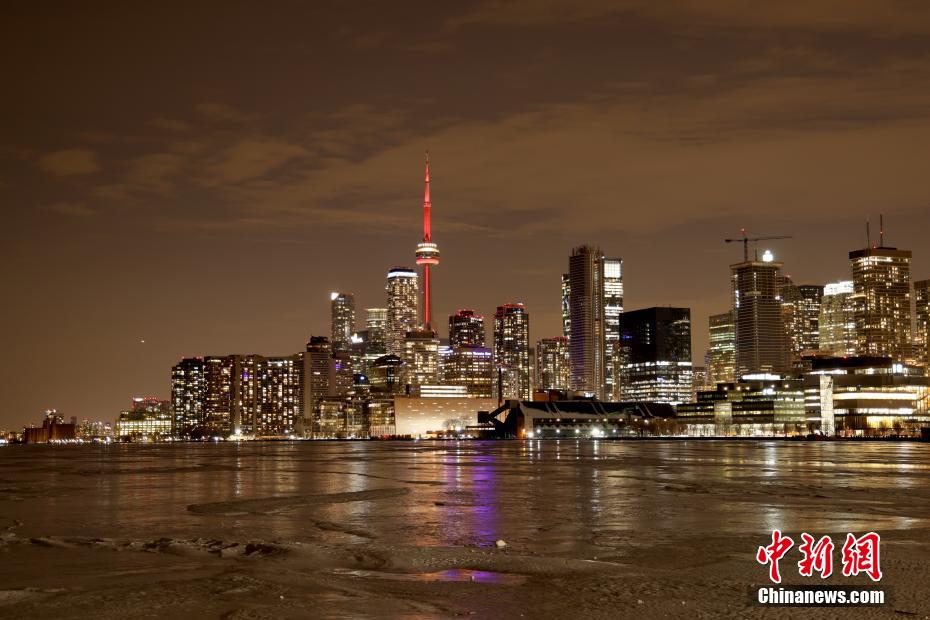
{"x": 202, "y": 175}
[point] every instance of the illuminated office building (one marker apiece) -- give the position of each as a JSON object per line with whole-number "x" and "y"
{"x": 721, "y": 362}
{"x": 760, "y": 330}
{"x": 469, "y": 367}
{"x": 922, "y": 327}
{"x": 512, "y": 352}
{"x": 595, "y": 291}
{"x": 882, "y": 277}
{"x": 402, "y": 295}
{"x": 149, "y": 419}
{"x": 421, "y": 354}
{"x": 343, "y": 320}
{"x": 801, "y": 312}
{"x": 657, "y": 364}
{"x": 838, "y": 319}
{"x": 466, "y": 329}
{"x": 553, "y": 364}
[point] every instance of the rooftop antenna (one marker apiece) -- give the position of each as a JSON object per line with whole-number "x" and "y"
{"x": 881, "y": 230}
{"x": 868, "y": 234}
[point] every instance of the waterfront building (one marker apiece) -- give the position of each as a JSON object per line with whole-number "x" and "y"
{"x": 281, "y": 399}
{"x": 471, "y": 368}
{"x": 752, "y": 408}
{"x": 882, "y": 278}
{"x": 343, "y": 320}
{"x": 187, "y": 390}
{"x": 838, "y": 319}
{"x": 553, "y": 364}
{"x": 442, "y": 413}
{"x": 721, "y": 354}
{"x": 922, "y": 326}
{"x": 53, "y": 429}
{"x": 657, "y": 361}
{"x": 219, "y": 397}
{"x": 148, "y": 419}
{"x": 512, "y": 352}
{"x": 862, "y": 396}
{"x": 595, "y": 290}
{"x": 466, "y": 329}
{"x": 421, "y": 353}
{"x": 760, "y": 330}
{"x": 402, "y": 294}
{"x": 317, "y": 362}
{"x": 801, "y": 310}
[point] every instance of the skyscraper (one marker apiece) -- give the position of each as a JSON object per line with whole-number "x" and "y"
{"x": 553, "y": 364}
{"x": 922, "y": 331}
{"x": 421, "y": 352}
{"x": 657, "y": 359}
{"x": 613, "y": 308}
{"x": 466, "y": 329}
{"x": 401, "y": 307}
{"x": 760, "y": 329}
{"x": 427, "y": 254}
{"x": 801, "y": 311}
{"x": 566, "y": 305}
{"x": 838, "y": 319}
{"x": 512, "y": 352}
{"x": 317, "y": 360}
{"x": 187, "y": 395}
{"x": 721, "y": 366}
{"x": 595, "y": 291}
{"x": 882, "y": 277}
{"x": 343, "y": 320}
{"x": 471, "y": 367}
{"x": 280, "y": 412}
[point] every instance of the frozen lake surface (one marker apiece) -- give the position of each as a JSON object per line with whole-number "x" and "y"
{"x": 408, "y": 529}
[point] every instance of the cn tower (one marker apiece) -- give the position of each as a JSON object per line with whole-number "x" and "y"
{"x": 427, "y": 254}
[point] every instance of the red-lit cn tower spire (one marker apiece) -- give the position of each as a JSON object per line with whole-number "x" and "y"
{"x": 427, "y": 253}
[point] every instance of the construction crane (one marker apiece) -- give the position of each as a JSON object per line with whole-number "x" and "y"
{"x": 746, "y": 239}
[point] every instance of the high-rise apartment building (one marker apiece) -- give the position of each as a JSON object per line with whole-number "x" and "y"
{"x": 281, "y": 397}
{"x": 882, "y": 278}
{"x": 595, "y": 291}
{"x": 512, "y": 352}
{"x": 402, "y": 294}
{"x": 187, "y": 395}
{"x": 657, "y": 362}
{"x": 466, "y": 329}
{"x": 922, "y": 327}
{"x": 721, "y": 353}
{"x": 220, "y": 397}
{"x": 838, "y": 319}
{"x": 760, "y": 328}
{"x": 801, "y": 312}
{"x": 343, "y": 320}
{"x": 566, "y": 305}
{"x": 553, "y": 364}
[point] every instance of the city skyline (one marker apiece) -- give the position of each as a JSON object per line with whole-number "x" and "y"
{"x": 151, "y": 223}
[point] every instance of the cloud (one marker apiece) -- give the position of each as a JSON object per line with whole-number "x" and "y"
{"x": 250, "y": 159}
{"x": 74, "y": 209}
{"x": 69, "y": 162}
{"x": 220, "y": 112}
{"x": 169, "y": 124}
